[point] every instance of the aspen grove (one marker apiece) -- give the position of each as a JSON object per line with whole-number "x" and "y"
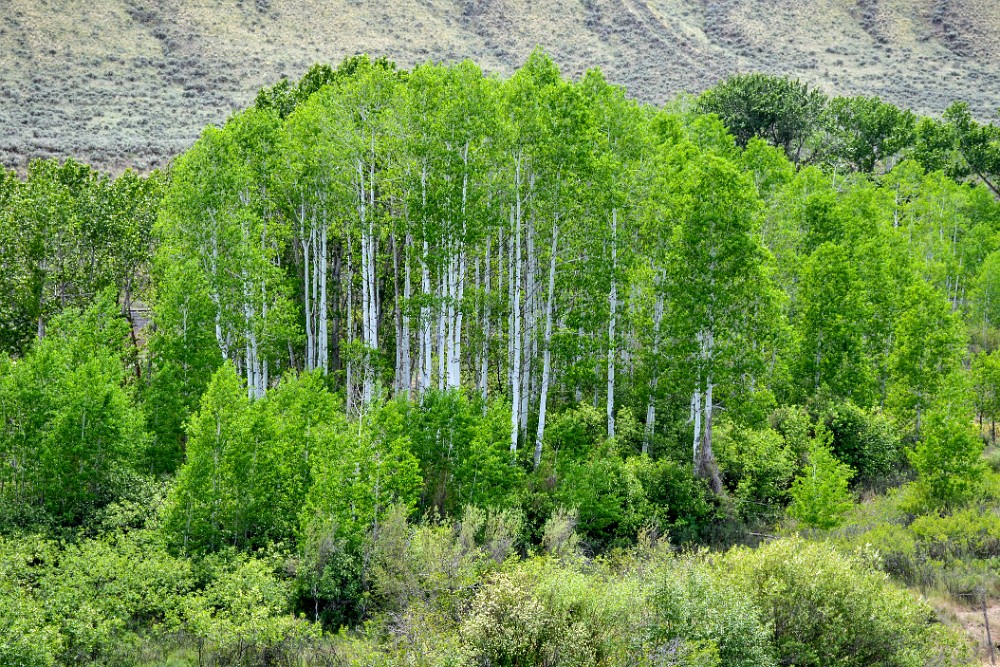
{"x": 435, "y": 367}
{"x": 439, "y": 229}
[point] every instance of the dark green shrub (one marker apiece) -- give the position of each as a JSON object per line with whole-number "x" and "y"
{"x": 864, "y": 440}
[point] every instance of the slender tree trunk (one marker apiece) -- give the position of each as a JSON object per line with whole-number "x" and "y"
{"x": 425, "y": 327}
{"x": 696, "y": 418}
{"x": 528, "y": 323}
{"x": 613, "y": 303}
{"x": 398, "y": 317}
{"x": 307, "y": 279}
{"x": 485, "y": 358}
{"x": 705, "y": 465}
{"x": 647, "y": 437}
{"x": 407, "y": 361}
{"x": 350, "y": 328}
{"x": 547, "y": 354}
{"x": 515, "y": 420}
{"x": 324, "y": 314}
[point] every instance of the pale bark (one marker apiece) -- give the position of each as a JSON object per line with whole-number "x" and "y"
{"x": 547, "y": 354}
{"x": 613, "y": 303}
{"x": 647, "y": 437}
{"x": 515, "y": 421}
{"x": 485, "y": 359}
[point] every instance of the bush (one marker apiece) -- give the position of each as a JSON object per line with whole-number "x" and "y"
{"x": 26, "y": 640}
{"x": 864, "y": 440}
{"x": 968, "y": 533}
{"x": 544, "y": 613}
{"x": 692, "y": 603}
{"x": 948, "y": 460}
{"x": 677, "y": 503}
{"x": 248, "y": 464}
{"x": 241, "y": 617}
{"x": 69, "y": 431}
{"x": 830, "y": 609}
{"x": 610, "y": 501}
{"x": 757, "y": 467}
{"x": 463, "y": 448}
{"x": 820, "y": 495}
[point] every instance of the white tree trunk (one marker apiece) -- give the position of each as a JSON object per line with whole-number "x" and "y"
{"x": 324, "y": 311}
{"x": 407, "y": 358}
{"x": 547, "y": 354}
{"x": 696, "y": 417}
{"x": 425, "y": 327}
{"x": 647, "y": 437}
{"x": 515, "y": 420}
{"x": 613, "y": 302}
{"x": 484, "y": 359}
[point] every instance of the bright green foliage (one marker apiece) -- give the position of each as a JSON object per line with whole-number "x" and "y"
{"x": 674, "y": 501}
{"x": 70, "y": 432}
{"x": 693, "y": 604}
{"x": 978, "y": 144}
{"x": 123, "y": 598}
{"x": 548, "y": 613}
{"x": 723, "y": 300}
{"x": 828, "y": 609}
{"x": 986, "y": 294}
{"x": 284, "y": 97}
{"x": 758, "y": 466}
{"x": 220, "y": 251}
{"x": 67, "y": 233}
{"x": 613, "y": 495}
{"x": 376, "y": 290}
{"x": 820, "y": 494}
{"x": 986, "y": 385}
{"x": 248, "y": 464}
{"x": 948, "y": 459}
{"x": 364, "y": 475}
{"x": 929, "y": 348}
{"x": 359, "y": 472}
{"x": 934, "y": 147}
{"x": 834, "y": 319}
{"x": 183, "y": 359}
{"x": 463, "y": 448}
{"x": 241, "y": 615}
{"x": 25, "y": 639}
{"x": 609, "y": 498}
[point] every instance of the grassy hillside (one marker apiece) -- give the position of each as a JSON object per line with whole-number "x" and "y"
{"x": 131, "y": 82}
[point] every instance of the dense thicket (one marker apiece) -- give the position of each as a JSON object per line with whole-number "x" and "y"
{"x": 410, "y": 327}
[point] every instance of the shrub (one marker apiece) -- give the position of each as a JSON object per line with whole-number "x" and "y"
{"x": 864, "y": 440}
{"x": 242, "y": 616}
{"x": 948, "y": 460}
{"x": 968, "y": 533}
{"x": 543, "y": 613}
{"x": 820, "y": 495}
{"x": 677, "y": 503}
{"x": 26, "y": 640}
{"x": 248, "y": 467}
{"x": 758, "y": 467}
{"x": 69, "y": 431}
{"x": 463, "y": 448}
{"x": 830, "y": 609}
{"x": 692, "y": 603}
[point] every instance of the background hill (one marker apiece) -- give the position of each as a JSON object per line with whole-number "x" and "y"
{"x": 131, "y": 82}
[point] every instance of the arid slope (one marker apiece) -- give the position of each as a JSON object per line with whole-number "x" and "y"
{"x": 132, "y": 82}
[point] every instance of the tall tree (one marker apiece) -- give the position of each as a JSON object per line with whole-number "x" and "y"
{"x": 723, "y": 298}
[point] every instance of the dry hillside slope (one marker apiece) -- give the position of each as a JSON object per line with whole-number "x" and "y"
{"x": 132, "y": 82}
